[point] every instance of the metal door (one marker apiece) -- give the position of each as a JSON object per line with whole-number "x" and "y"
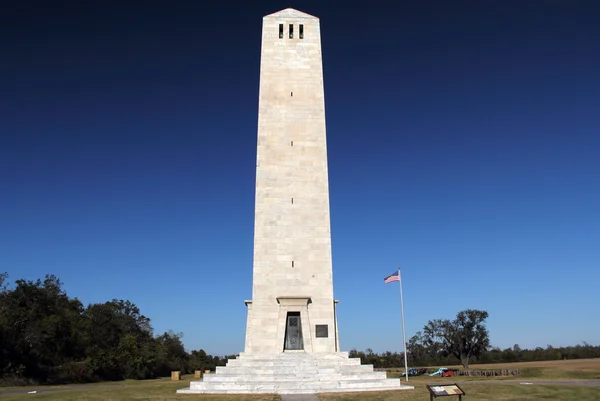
{"x": 293, "y": 332}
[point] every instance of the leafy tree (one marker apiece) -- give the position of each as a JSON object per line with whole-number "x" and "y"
{"x": 120, "y": 341}
{"x": 464, "y": 337}
{"x": 417, "y": 350}
{"x": 200, "y": 360}
{"x": 171, "y": 354}
{"x": 434, "y": 340}
{"x": 40, "y": 323}
{"x": 3, "y": 277}
{"x": 48, "y": 337}
{"x": 420, "y": 356}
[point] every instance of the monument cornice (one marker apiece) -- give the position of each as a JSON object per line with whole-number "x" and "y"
{"x": 300, "y": 300}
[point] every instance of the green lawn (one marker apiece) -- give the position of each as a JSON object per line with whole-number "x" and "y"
{"x": 161, "y": 389}
{"x": 165, "y": 390}
{"x": 482, "y": 388}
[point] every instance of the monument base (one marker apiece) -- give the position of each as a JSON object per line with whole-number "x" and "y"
{"x": 293, "y": 373}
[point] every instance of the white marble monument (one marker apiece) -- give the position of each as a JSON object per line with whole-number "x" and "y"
{"x": 292, "y": 343}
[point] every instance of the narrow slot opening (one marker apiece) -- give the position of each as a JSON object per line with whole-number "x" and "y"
{"x": 291, "y": 31}
{"x": 291, "y": 143}
{"x": 292, "y": 263}
{"x": 301, "y": 31}
{"x": 292, "y": 201}
{"x": 291, "y": 93}
{"x": 280, "y": 31}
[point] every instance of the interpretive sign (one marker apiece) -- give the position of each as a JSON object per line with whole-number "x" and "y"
{"x": 445, "y": 390}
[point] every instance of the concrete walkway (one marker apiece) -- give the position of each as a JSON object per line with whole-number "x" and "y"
{"x": 299, "y": 397}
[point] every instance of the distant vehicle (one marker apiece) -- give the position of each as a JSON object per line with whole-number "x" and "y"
{"x": 415, "y": 371}
{"x": 440, "y": 372}
{"x": 444, "y": 372}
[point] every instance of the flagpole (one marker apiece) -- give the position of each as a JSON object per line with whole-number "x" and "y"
{"x": 403, "y": 330}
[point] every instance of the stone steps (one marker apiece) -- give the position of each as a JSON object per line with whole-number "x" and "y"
{"x": 295, "y": 387}
{"x": 292, "y": 369}
{"x": 296, "y": 355}
{"x": 295, "y": 377}
{"x": 270, "y": 362}
{"x": 286, "y": 354}
{"x": 293, "y": 373}
{"x": 291, "y": 383}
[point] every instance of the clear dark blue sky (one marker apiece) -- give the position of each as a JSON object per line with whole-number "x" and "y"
{"x": 463, "y": 141}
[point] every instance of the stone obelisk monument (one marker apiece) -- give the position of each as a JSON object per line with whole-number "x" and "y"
{"x": 292, "y": 305}
{"x": 292, "y": 341}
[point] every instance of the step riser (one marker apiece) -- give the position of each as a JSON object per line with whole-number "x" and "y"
{"x": 305, "y": 355}
{"x": 292, "y": 386}
{"x": 291, "y": 370}
{"x": 296, "y": 384}
{"x": 260, "y": 391}
{"x": 295, "y": 368}
{"x": 283, "y": 363}
{"x": 277, "y": 378}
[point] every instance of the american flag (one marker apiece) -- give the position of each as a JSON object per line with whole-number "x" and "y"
{"x": 391, "y": 278}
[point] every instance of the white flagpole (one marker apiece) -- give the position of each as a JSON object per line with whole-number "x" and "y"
{"x": 403, "y": 330}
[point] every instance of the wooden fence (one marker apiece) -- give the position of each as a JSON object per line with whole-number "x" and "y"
{"x": 488, "y": 372}
{"x": 458, "y": 372}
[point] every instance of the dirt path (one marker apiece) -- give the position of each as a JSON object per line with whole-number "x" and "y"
{"x": 299, "y": 397}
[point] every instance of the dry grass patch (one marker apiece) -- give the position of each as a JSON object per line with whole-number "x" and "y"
{"x": 477, "y": 392}
{"x": 581, "y": 369}
{"x": 578, "y": 364}
{"x": 575, "y": 369}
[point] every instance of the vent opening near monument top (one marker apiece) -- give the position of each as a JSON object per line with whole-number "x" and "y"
{"x": 280, "y": 31}
{"x": 292, "y": 143}
{"x": 292, "y": 263}
{"x": 291, "y": 93}
{"x": 301, "y": 31}
{"x": 291, "y": 31}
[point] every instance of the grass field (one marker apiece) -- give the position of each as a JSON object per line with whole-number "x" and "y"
{"x": 584, "y": 369}
{"x": 581, "y": 369}
{"x": 478, "y": 392}
{"x": 161, "y": 389}
{"x": 478, "y": 389}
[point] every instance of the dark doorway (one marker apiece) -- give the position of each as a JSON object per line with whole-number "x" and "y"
{"x": 293, "y": 332}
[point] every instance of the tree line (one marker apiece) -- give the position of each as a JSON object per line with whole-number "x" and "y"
{"x": 515, "y": 353}
{"x": 463, "y": 340}
{"x": 48, "y": 337}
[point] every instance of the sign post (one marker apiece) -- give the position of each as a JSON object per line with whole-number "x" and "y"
{"x": 445, "y": 390}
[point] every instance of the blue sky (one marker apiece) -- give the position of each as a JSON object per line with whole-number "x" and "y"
{"x": 463, "y": 145}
